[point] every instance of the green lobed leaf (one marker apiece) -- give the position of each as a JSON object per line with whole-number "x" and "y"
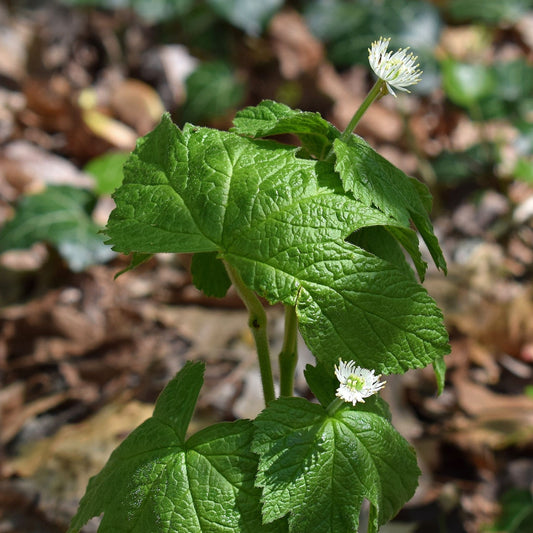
{"x": 317, "y": 469}
{"x": 379, "y": 241}
{"x": 272, "y": 118}
{"x": 281, "y": 222}
{"x": 516, "y": 512}
{"x": 136, "y": 260}
{"x": 375, "y": 181}
{"x": 322, "y": 382}
{"x": 209, "y": 275}
{"x": 60, "y": 216}
{"x": 156, "y": 481}
{"x": 357, "y": 306}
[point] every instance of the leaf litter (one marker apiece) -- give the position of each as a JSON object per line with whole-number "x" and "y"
{"x": 79, "y": 351}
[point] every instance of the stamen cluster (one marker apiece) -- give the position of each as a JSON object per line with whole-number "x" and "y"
{"x": 397, "y": 69}
{"x": 356, "y": 383}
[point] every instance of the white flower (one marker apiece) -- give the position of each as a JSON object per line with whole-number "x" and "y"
{"x": 356, "y": 383}
{"x": 398, "y": 69}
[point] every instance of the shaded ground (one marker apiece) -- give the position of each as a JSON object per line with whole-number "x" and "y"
{"x": 83, "y": 357}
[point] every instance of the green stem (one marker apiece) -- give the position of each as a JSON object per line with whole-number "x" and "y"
{"x": 257, "y": 321}
{"x": 288, "y": 357}
{"x": 374, "y": 93}
{"x": 334, "y": 406}
{"x": 372, "y": 518}
{"x": 370, "y": 97}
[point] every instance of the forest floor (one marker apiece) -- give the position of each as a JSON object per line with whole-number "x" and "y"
{"x": 83, "y": 356}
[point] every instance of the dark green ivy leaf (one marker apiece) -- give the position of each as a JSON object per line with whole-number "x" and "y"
{"x": 212, "y": 90}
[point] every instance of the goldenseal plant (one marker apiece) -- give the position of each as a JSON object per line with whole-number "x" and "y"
{"x": 323, "y": 229}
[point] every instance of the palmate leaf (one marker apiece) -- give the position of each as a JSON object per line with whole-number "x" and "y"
{"x": 281, "y": 222}
{"x": 317, "y": 469}
{"x": 372, "y": 179}
{"x": 156, "y": 481}
{"x": 375, "y": 181}
{"x": 209, "y": 275}
{"x": 272, "y": 118}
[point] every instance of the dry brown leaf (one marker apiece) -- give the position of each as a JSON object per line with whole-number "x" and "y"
{"x": 297, "y": 49}
{"x": 29, "y": 168}
{"x": 114, "y": 132}
{"x": 137, "y": 104}
{"x": 15, "y": 35}
{"x": 478, "y": 401}
{"x": 78, "y": 451}
{"x": 465, "y": 43}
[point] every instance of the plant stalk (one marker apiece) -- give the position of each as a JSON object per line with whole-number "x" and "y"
{"x": 372, "y": 519}
{"x": 288, "y": 357}
{"x": 370, "y": 97}
{"x": 374, "y": 93}
{"x": 334, "y": 406}
{"x": 257, "y": 322}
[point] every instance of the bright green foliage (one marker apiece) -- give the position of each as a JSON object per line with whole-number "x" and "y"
{"x": 375, "y": 181}
{"x": 156, "y": 481}
{"x": 272, "y": 118}
{"x": 212, "y": 90}
{"x": 209, "y": 275}
{"x": 60, "y": 216}
{"x": 107, "y": 171}
{"x": 282, "y": 221}
{"x": 523, "y": 170}
{"x": 501, "y": 90}
{"x": 323, "y": 228}
{"x": 318, "y": 469}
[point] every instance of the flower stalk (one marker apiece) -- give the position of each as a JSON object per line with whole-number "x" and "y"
{"x": 257, "y": 322}
{"x": 395, "y": 70}
{"x": 288, "y": 357}
{"x": 374, "y": 93}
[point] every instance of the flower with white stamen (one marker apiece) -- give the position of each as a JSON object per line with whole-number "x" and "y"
{"x": 356, "y": 383}
{"x": 397, "y": 69}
